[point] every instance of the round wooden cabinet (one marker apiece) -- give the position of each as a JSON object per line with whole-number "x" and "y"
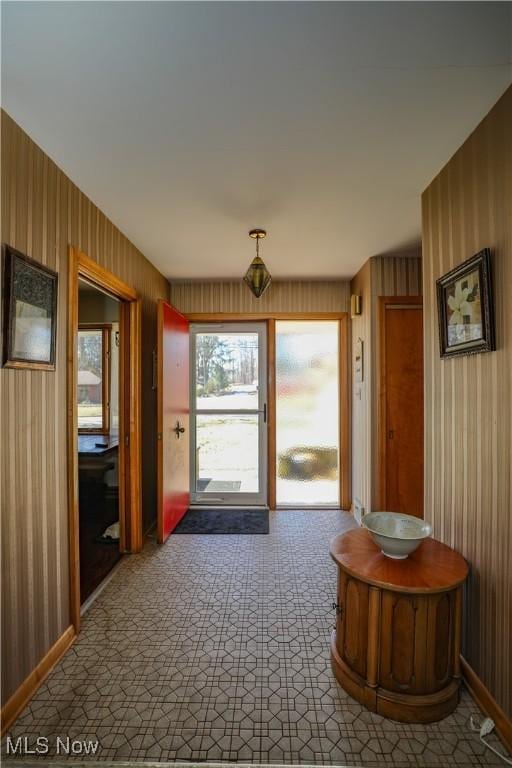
{"x": 396, "y": 644}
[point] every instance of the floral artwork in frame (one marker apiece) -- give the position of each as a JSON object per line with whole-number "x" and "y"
{"x": 465, "y": 306}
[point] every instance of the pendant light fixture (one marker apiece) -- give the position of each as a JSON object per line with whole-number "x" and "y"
{"x": 257, "y": 276}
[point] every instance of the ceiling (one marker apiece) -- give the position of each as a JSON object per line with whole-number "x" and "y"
{"x": 190, "y": 123}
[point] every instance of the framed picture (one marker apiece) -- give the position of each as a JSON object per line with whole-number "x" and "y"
{"x": 465, "y": 306}
{"x": 30, "y": 313}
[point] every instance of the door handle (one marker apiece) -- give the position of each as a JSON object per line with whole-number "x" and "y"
{"x": 263, "y": 411}
{"x": 178, "y": 430}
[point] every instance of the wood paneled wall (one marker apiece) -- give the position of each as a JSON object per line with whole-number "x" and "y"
{"x": 286, "y": 296}
{"x": 468, "y": 411}
{"x": 42, "y": 213}
{"x": 380, "y": 276}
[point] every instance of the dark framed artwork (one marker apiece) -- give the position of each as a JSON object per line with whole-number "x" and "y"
{"x": 30, "y": 313}
{"x": 466, "y": 307}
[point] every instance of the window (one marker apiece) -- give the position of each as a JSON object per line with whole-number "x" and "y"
{"x": 93, "y": 393}
{"x": 307, "y": 412}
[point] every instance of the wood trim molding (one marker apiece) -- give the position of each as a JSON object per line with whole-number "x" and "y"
{"x": 271, "y": 422}
{"x": 72, "y": 414}
{"x": 94, "y": 273}
{"x": 22, "y": 695}
{"x": 124, "y": 382}
{"x": 81, "y": 266}
{"x": 384, "y": 303}
{"x": 134, "y": 481}
{"x": 487, "y": 703}
{"x": 236, "y": 317}
{"x": 130, "y": 468}
{"x": 345, "y": 377}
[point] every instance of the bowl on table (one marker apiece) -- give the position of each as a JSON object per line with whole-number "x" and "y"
{"x": 395, "y": 534}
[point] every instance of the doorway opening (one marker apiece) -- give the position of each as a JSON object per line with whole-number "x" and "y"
{"x": 97, "y": 399}
{"x": 228, "y": 446}
{"x": 104, "y": 463}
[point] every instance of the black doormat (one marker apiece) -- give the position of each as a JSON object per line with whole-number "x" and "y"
{"x": 226, "y": 520}
{"x": 217, "y": 486}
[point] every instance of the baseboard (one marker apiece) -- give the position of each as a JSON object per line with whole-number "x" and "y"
{"x": 29, "y": 686}
{"x": 487, "y": 703}
{"x": 99, "y": 589}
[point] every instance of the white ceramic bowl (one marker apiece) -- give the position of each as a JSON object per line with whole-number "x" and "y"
{"x": 397, "y": 535}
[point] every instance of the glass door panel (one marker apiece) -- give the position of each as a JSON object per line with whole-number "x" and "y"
{"x": 227, "y": 453}
{"x": 307, "y": 413}
{"x": 229, "y": 413}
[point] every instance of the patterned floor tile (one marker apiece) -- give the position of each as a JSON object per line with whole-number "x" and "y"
{"x": 216, "y": 648}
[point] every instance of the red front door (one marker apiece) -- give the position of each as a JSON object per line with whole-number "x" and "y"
{"x": 173, "y": 419}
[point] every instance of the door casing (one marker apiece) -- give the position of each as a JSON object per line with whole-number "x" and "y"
{"x": 130, "y": 508}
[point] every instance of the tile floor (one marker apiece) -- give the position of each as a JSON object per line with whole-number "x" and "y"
{"x": 217, "y": 648}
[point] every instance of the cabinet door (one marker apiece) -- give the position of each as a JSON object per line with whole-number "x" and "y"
{"x": 352, "y": 623}
{"x": 403, "y": 642}
{"x": 417, "y": 642}
{"x": 440, "y": 640}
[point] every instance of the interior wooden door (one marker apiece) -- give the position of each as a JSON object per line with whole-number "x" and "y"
{"x": 401, "y": 404}
{"x": 173, "y": 419}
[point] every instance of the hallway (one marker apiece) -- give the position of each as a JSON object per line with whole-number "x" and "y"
{"x": 217, "y": 648}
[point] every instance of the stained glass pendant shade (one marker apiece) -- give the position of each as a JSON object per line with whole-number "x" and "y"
{"x": 257, "y": 276}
